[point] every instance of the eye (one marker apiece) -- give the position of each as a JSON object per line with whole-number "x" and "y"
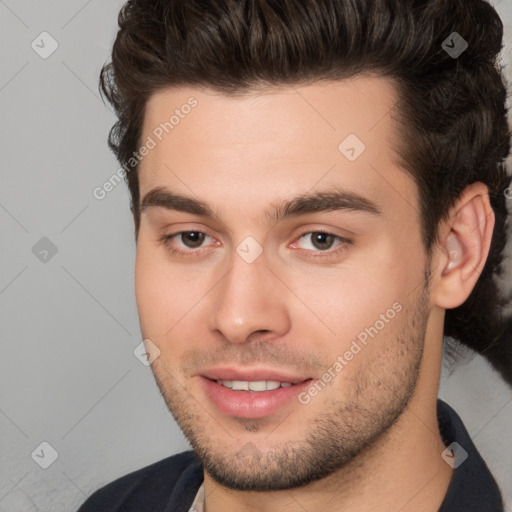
{"x": 183, "y": 241}
{"x": 321, "y": 242}
{"x": 192, "y": 239}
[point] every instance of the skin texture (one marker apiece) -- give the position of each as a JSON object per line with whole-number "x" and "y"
{"x": 369, "y": 440}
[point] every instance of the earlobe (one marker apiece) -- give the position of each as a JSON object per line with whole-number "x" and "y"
{"x": 464, "y": 247}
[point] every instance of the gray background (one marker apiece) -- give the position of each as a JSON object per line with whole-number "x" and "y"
{"x": 69, "y": 325}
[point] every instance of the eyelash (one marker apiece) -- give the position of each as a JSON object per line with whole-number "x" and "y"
{"x": 327, "y": 254}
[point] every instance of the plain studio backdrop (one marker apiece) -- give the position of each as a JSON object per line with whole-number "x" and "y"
{"x": 71, "y": 386}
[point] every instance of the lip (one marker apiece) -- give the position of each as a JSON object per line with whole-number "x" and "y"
{"x": 230, "y": 373}
{"x": 251, "y": 404}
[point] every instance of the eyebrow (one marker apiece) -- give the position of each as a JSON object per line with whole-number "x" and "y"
{"x": 316, "y": 202}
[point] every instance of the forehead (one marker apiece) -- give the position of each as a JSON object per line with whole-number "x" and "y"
{"x": 337, "y": 133}
{"x": 313, "y": 112}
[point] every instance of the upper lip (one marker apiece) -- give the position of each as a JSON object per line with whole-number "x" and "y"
{"x": 230, "y": 373}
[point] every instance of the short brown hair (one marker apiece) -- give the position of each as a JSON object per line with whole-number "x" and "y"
{"x": 452, "y": 109}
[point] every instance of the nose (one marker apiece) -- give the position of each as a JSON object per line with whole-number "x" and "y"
{"x": 250, "y": 299}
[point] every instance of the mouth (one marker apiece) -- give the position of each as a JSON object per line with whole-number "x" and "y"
{"x": 252, "y": 375}
{"x": 257, "y": 386}
{"x": 253, "y": 398}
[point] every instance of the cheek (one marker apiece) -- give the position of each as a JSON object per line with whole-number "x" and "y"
{"x": 348, "y": 296}
{"x": 158, "y": 293}
{"x": 168, "y": 296}
{"x": 361, "y": 299}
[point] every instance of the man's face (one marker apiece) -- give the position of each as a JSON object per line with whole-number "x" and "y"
{"x": 270, "y": 293}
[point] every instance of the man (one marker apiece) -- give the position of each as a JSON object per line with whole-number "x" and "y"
{"x": 319, "y": 197}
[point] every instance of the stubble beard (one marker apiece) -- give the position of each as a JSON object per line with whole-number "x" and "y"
{"x": 372, "y": 402}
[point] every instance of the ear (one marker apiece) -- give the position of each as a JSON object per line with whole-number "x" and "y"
{"x": 463, "y": 247}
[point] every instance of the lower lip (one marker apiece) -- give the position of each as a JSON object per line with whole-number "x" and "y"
{"x": 251, "y": 404}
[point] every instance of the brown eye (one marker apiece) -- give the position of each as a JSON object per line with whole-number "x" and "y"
{"x": 187, "y": 243}
{"x": 322, "y": 241}
{"x": 319, "y": 240}
{"x": 322, "y": 244}
{"x": 192, "y": 239}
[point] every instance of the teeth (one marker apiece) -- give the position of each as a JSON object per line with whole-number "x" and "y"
{"x": 259, "y": 385}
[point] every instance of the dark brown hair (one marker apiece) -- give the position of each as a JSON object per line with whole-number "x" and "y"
{"x": 452, "y": 111}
